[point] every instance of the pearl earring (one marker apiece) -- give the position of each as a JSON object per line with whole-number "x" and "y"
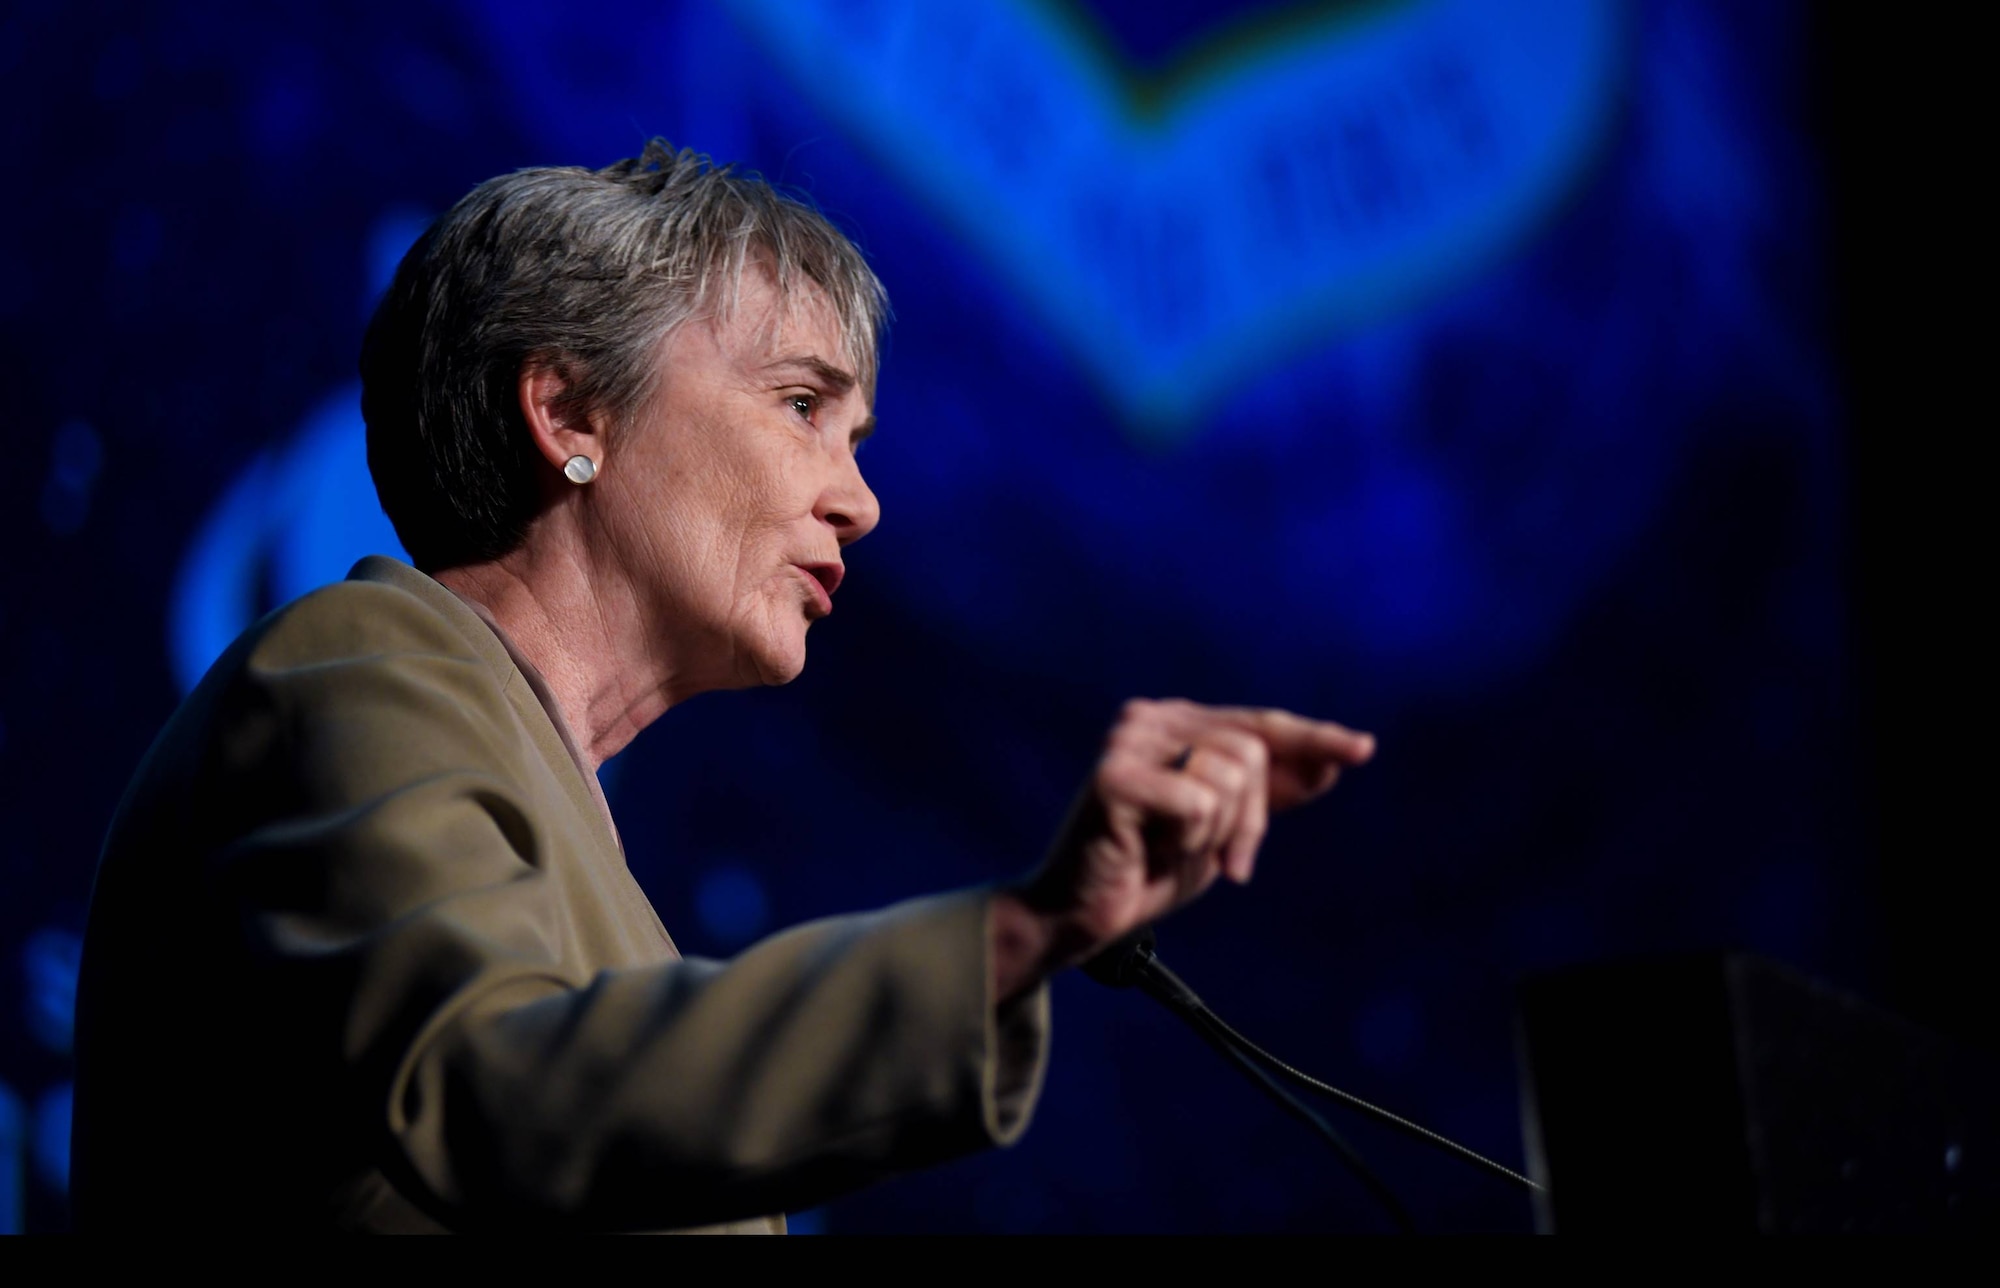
{"x": 579, "y": 469}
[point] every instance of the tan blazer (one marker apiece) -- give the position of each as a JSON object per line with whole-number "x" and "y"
{"x": 363, "y": 953}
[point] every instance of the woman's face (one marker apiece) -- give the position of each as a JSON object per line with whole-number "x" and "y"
{"x": 727, "y": 502}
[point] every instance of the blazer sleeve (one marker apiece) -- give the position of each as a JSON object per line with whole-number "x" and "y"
{"x": 397, "y": 897}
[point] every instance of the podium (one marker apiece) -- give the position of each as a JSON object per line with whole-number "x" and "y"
{"x": 1727, "y": 1094}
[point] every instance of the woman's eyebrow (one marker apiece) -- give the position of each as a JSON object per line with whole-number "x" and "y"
{"x": 836, "y": 379}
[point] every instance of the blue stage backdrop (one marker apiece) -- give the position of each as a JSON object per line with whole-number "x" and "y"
{"x": 1451, "y": 368}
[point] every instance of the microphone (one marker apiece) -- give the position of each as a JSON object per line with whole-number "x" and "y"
{"x": 1119, "y": 965}
{"x": 1133, "y": 962}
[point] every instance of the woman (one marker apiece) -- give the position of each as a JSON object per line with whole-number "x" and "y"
{"x": 364, "y": 952}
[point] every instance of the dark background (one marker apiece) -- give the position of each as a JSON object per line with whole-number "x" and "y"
{"x": 1645, "y": 541}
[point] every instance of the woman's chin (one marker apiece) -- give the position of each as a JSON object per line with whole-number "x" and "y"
{"x": 780, "y": 661}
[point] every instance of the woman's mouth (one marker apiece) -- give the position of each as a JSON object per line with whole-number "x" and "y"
{"x": 820, "y": 580}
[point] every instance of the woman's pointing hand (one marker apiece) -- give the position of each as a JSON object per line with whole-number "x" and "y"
{"x": 1182, "y": 795}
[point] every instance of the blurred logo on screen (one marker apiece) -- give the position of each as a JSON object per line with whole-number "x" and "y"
{"x": 1426, "y": 497}
{"x": 1178, "y": 240}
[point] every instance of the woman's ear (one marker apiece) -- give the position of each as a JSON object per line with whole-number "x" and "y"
{"x": 561, "y": 432}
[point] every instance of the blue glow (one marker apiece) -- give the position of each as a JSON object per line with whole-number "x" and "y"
{"x": 53, "y": 1112}
{"x": 731, "y": 904}
{"x": 1336, "y": 178}
{"x": 13, "y": 1158}
{"x": 394, "y": 232}
{"x": 64, "y": 509}
{"x": 294, "y": 518}
{"x": 76, "y": 455}
{"x": 216, "y": 592}
{"x": 49, "y": 962}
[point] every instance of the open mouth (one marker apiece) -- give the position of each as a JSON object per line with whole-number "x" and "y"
{"x": 828, "y": 575}
{"x": 824, "y": 580}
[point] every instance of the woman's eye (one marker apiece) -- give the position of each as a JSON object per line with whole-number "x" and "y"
{"x": 803, "y": 404}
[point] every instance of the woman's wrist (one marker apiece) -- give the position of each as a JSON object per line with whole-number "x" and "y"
{"x": 1030, "y": 941}
{"x": 1019, "y": 940}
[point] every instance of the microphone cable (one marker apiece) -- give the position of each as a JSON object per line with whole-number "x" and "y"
{"x": 1151, "y": 976}
{"x": 1379, "y": 1114}
{"x": 1132, "y": 962}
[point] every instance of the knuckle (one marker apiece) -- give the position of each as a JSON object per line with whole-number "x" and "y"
{"x": 1229, "y": 776}
{"x": 1246, "y": 749}
{"x": 1279, "y": 723}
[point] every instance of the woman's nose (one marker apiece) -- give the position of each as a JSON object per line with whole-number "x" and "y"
{"x": 849, "y": 506}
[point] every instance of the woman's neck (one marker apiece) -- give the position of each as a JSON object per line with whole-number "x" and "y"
{"x": 591, "y": 647}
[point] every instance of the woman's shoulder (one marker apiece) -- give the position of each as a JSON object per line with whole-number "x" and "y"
{"x": 384, "y": 610}
{"x": 347, "y": 687}
{"x": 386, "y": 649}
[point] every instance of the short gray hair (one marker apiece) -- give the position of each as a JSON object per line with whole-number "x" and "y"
{"x": 587, "y": 271}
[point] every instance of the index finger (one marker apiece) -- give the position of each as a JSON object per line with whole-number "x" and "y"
{"x": 1296, "y": 737}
